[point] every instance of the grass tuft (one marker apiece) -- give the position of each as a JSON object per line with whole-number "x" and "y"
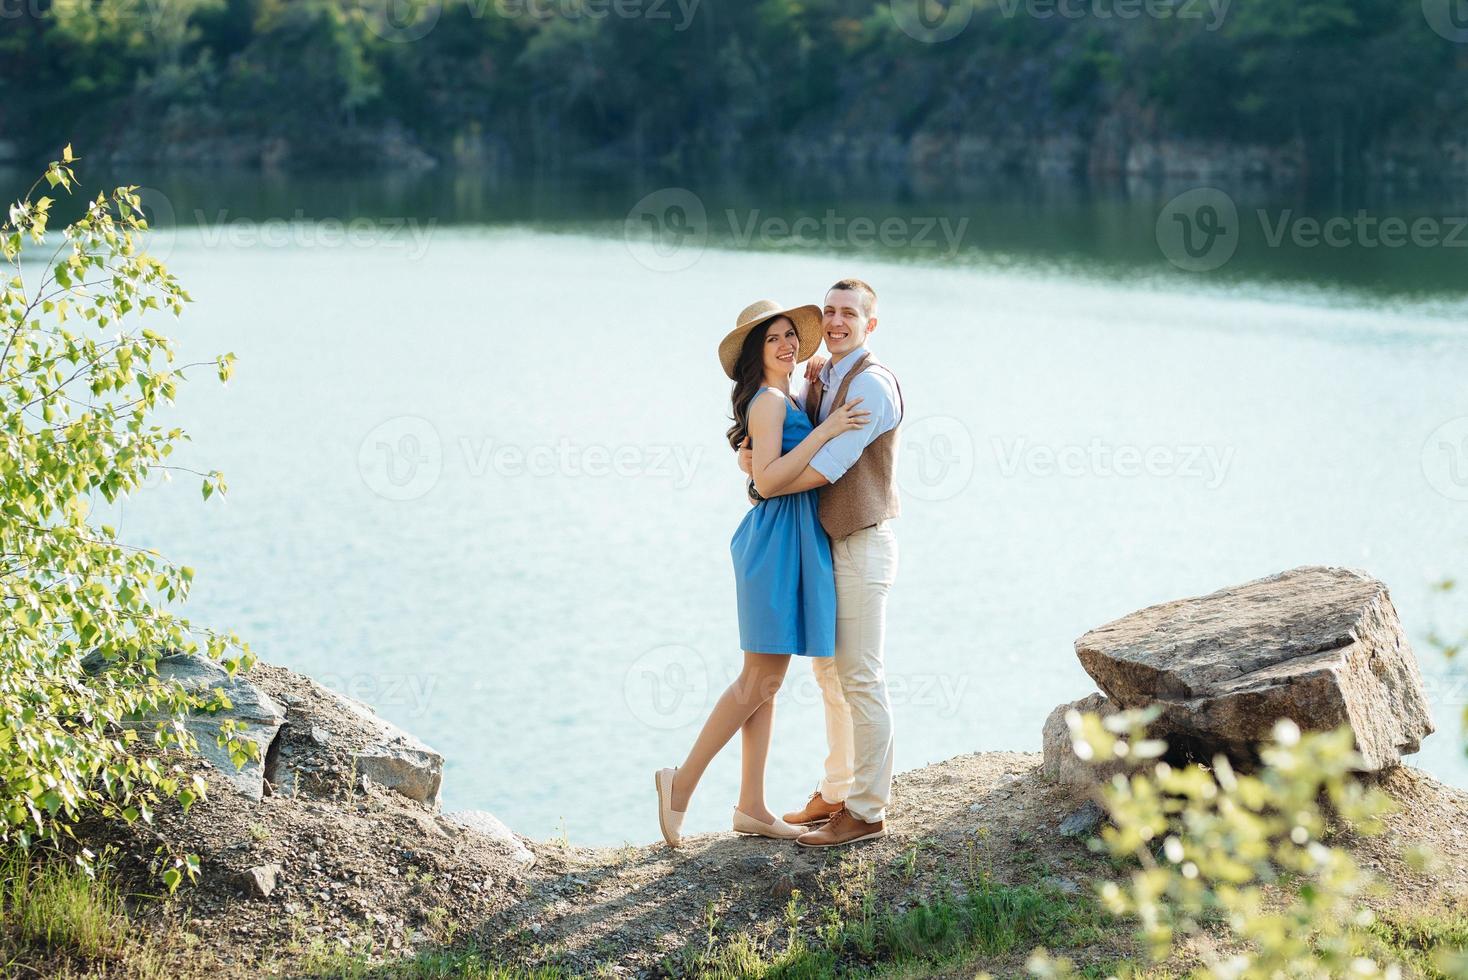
{"x": 56, "y": 907}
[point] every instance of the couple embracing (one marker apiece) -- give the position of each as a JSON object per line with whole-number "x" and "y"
{"x": 814, "y": 559}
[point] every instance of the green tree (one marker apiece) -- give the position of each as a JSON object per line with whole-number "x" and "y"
{"x": 80, "y": 374}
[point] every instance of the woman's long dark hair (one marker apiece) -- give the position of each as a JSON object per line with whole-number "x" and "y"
{"x": 749, "y": 374}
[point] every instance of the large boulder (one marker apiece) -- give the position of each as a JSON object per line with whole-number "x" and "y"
{"x": 1320, "y": 646}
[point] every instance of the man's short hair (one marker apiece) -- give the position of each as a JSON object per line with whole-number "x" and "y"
{"x": 867, "y": 293}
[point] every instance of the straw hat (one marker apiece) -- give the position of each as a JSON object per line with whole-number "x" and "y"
{"x": 807, "y": 320}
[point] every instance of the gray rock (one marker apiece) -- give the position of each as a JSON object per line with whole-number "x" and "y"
{"x": 1083, "y": 822}
{"x": 1061, "y": 762}
{"x": 1320, "y": 646}
{"x": 487, "y": 824}
{"x": 259, "y": 713}
{"x": 260, "y": 881}
{"x": 381, "y": 752}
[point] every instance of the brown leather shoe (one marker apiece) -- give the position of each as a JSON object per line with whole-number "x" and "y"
{"x": 816, "y": 810}
{"x": 842, "y": 828}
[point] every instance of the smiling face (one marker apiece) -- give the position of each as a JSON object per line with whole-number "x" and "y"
{"x": 781, "y": 345}
{"x": 847, "y": 320}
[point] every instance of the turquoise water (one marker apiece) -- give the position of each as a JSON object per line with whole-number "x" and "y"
{"x": 478, "y": 478}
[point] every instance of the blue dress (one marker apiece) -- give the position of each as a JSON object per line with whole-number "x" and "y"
{"x": 782, "y": 568}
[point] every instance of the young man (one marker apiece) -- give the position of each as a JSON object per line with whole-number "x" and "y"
{"x": 856, "y": 475}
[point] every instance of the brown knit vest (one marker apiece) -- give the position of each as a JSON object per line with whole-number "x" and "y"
{"x": 866, "y": 493}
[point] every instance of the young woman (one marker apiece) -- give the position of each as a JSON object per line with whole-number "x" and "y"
{"x": 782, "y": 559}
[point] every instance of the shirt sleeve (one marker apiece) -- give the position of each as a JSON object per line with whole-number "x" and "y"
{"x": 878, "y": 397}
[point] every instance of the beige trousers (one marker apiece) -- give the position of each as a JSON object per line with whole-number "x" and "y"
{"x": 854, "y": 682}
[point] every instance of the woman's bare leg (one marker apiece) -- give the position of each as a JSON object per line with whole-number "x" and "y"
{"x": 756, "y": 749}
{"x": 757, "y": 683}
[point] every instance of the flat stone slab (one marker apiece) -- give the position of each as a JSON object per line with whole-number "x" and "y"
{"x": 1320, "y": 646}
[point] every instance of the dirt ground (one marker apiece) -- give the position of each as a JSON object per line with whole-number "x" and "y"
{"x": 362, "y": 868}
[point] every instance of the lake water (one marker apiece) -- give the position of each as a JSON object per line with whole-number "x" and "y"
{"x": 478, "y": 478}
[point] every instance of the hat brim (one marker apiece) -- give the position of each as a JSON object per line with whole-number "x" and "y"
{"x": 807, "y": 320}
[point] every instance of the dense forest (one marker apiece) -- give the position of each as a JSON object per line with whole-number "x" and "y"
{"x": 1304, "y": 88}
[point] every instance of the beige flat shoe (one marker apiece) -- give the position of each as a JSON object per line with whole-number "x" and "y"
{"x": 670, "y": 820}
{"x": 780, "y": 830}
